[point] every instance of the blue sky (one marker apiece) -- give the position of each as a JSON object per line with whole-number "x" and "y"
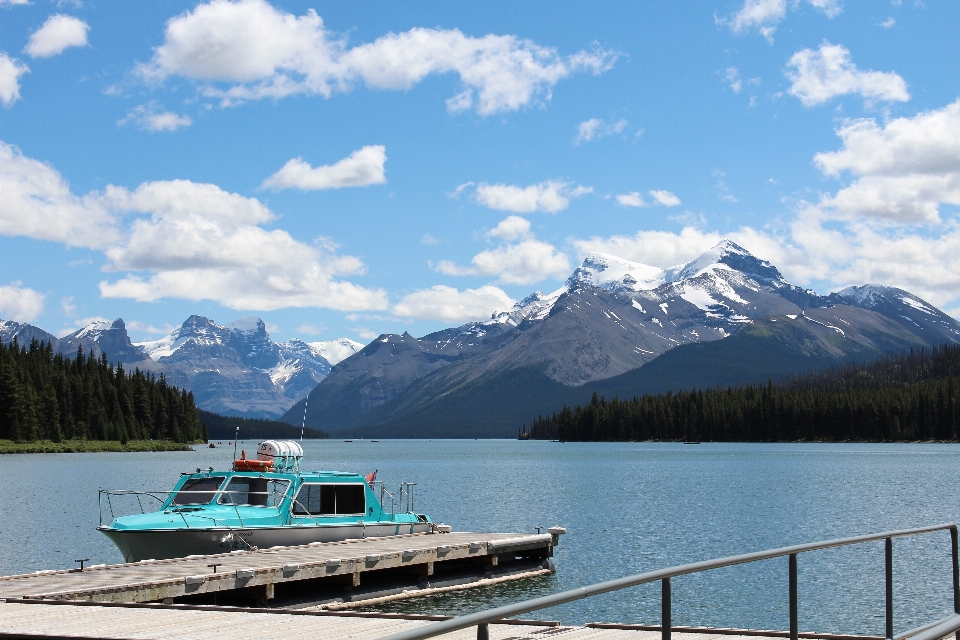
{"x": 354, "y": 168}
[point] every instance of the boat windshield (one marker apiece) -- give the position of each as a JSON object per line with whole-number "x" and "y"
{"x": 258, "y": 492}
{"x": 197, "y": 491}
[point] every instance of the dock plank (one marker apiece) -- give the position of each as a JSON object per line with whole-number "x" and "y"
{"x": 173, "y": 623}
{"x": 155, "y": 580}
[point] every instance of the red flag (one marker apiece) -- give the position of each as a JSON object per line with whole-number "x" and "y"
{"x": 370, "y": 477}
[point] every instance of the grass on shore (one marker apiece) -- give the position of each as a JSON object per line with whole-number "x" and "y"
{"x": 89, "y": 446}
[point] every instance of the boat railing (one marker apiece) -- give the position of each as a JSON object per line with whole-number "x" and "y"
{"x": 402, "y": 498}
{"x": 933, "y": 631}
{"x": 181, "y": 509}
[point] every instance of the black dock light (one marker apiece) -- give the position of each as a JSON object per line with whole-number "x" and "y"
{"x": 81, "y": 561}
{"x": 215, "y": 566}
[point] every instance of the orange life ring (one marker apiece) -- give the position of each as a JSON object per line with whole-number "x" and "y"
{"x": 252, "y": 465}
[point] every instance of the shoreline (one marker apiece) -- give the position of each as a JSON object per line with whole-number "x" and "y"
{"x": 92, "y": 446}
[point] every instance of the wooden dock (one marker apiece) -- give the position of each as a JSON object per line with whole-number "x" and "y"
{"x": 119, "y": 621}
{"x": 258, "y": 575}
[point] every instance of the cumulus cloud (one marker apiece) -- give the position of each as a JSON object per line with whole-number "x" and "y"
{"x": 904, "y": 169}
{"x": 511, "y": 228}
{"x": 37, "y": 203}
{"x": 732, "y": 76}
{"x": 57, "y": 34}
{"x": 820, "y": 75}
{"x": 361, "y": 168}
{"x": 519, "y": 258}
{"x": 194, "y": 241}
{"x": 20, "y": 304}
{"x": 665, "y": 198}
{"x": 150, "y": 117}
{"x": 765, "y": 15}
{"x": 550, "y": 196}
{"x": 10, "y": 71}
{"x": 632, "y": 199}
{"x": 451, "y": 305}
{"x": 249, "y": 50}
{"x": 11, "y": 3}
{"x": 597, "y": 128}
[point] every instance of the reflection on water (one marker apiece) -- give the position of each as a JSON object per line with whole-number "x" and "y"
{"x": 628, "y": 507}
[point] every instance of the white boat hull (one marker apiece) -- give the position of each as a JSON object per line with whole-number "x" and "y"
{"x": 162, "y": 544}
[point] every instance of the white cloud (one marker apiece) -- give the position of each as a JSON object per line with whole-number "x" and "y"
{"x": 10, "y": 71}
{"x": 366, "y": 334}
{"x": 195, "y": 241}
{"x": 732, "y": 76}
{"x": 67, "y": 306}
{"x": 765, "y": 15}
{"x": 361, "y": 168}
{"x": 519, "y": 259}
{"x": 143, "y": 327}
{"x": 632, "y": 199}
{"x": 57, "y": 34}
{"x": 37, "y": 203}
{"x": 150, "y": 117}
{"x": 597, "y": 128}
{"x": 665, "y": 198}
{"x": 11, "y": 3}
{"x": 451, "y": 305}
{"x": 20, "y": 304}
{"x": 260, "y": 52}
{"x": 525, "y": 262}
{"x": 888, "y": 23}
{"x": 511, "y": 228}
{"x": 818, "y": 76}
{"x": 428, "y": 239}
{"x": 550, "y": 196}
{"x": 904, "y": 169}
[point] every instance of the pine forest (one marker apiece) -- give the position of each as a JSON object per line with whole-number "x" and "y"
{"x": 47, "y": 396}
{"x": 914, "y": 396}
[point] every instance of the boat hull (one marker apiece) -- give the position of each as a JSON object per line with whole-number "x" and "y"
{"x": 162, "y": 544}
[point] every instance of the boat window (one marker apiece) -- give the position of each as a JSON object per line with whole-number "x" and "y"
{"x": 330, "y": 499}
{"x": 197, "y": 491}
{"x": 258, "y": 492}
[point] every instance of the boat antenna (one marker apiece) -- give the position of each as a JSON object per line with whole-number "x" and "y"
{"x": 236, "y": 434}
{"x": 303, "y": 425}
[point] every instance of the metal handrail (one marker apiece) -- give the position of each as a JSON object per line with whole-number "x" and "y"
{"x": 175, "y": 507}
{"x": 482, "y": 618}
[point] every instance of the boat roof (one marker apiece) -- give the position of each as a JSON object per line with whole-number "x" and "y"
{"x": 301, "y": 474}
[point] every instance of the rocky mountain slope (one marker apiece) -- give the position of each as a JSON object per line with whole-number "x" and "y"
{"x": 232, "y": 369}
{"x": 622, "y": 323}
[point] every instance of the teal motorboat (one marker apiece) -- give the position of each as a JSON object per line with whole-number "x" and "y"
{"x": 260, "y": 503}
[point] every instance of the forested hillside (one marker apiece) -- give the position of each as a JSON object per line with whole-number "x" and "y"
{"x": 47, "y": 396}
{"x": 913, "y": 396}
{"x": 224, "y": 427}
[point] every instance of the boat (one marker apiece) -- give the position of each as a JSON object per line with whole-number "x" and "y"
{"x": 259, "y": 503}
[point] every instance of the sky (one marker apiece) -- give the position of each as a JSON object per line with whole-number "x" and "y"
{"x": 346, "y": 169}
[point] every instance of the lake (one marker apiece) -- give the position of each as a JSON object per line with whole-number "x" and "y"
{"x": 628, "y": 508}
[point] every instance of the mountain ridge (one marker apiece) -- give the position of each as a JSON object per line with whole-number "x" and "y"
{"x": 613, "y": 318}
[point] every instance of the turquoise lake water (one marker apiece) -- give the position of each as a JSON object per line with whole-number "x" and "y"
{"x": 628, "y": 507}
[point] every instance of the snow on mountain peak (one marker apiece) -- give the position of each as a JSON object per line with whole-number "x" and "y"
{"x": 334, "y": 351}
{"x": 609, "y": 272}
{"x": 535, "y": 306}
{"x": 247, "y": 323}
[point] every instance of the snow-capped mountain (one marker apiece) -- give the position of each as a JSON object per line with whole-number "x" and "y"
{"x": 236, "y": 369}
{"x": 613, "y": 316}
{"x": 232, "y": 369}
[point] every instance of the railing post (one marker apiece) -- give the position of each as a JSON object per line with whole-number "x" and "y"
{"x": 794, "y": 627}
{"x": 956, "y": 573}
{"x": 888, "y": 549}
{"x": 483, "y": 632}
{"x": 665, "y": 616}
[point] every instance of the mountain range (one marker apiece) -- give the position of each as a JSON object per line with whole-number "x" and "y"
{"x": 233, "y": 369}
{"x": 616, "y": 327}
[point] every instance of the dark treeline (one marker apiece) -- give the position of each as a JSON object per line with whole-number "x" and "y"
{"x": 47, "y": 396}
{"x": 224, "y": 427}
{"x": 913, "y": 396}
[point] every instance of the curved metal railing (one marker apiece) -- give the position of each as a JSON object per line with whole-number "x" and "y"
{"x": 934, "y": 631}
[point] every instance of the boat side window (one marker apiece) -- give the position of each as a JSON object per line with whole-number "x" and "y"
{"x": 257, "y": 492}
{"x": 316, "y": 499}
{"x": 197, "y": 491}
